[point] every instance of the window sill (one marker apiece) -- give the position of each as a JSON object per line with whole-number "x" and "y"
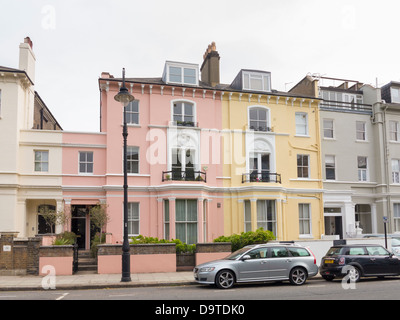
{"x": 306, "y": 236}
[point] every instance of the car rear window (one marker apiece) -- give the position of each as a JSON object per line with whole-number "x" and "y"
{"x": 333, "y": 251}
{"x": 299, "y": 252}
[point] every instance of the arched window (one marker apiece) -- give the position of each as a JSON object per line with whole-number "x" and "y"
{"x": 184, "y": 113}
{"x": 259, "y": 119}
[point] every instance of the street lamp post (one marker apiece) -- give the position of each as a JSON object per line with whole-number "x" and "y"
{"x": 125, "y": 98}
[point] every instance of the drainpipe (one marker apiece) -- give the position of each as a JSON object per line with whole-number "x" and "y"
{"x": 386, "y": 159}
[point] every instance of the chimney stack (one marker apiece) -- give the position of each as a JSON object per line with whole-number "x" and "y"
{"x": 210, "y": 67}
{"x": 27, "y": 58}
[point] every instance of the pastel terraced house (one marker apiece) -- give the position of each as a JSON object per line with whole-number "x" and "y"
{"x": 272, "y": 172}
{"x": 174, "y": 184}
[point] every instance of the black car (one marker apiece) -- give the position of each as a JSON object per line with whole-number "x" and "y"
{"x": 359, "y": 261}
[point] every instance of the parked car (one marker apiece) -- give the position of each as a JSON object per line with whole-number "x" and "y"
{"x": 396, "y": 246}
{"x": 264, "y": 262}
{"x": 365, "y": 260}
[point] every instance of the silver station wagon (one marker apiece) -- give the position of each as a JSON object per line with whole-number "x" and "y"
{"x": 263, "y": 262}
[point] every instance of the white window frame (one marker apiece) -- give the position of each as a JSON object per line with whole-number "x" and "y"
{"x": 247, "y": 215}
{"x": 305, "y": 221}
{"x": 396, "y": 171}
{"x": 265, "y": 78}
{"x": 396, "y": 217}
{"x": 362, "y": 172}
{"x": 270, "y": 217}
{"x": 166, "y": 219}
{"x": 302, "y": 166}
{"x": 40, "y": 161}
{"x": 331, "y": 130}
{"x": 267, "y": 120}
{"x": 183, "y": 101}
{"x": 85, "y": 162}
{"x": 362, "y": 132}
{"x": 131, "y": 160}
{"x": 133, "y": 219}
{"x": 330, "y": 159}
{"x": 187, "y": 222}
{"x": 395, "y": 95}
{"x": 182, "y": 67}
{"x": 302, "y": 128}
{"x": 130, "y": 114}
{"x": 394, "y": 131}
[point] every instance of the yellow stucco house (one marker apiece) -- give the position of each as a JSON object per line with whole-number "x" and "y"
{"x": 272, "y": 159}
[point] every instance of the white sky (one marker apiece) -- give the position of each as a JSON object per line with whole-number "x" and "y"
{"x": 75, "y": 40}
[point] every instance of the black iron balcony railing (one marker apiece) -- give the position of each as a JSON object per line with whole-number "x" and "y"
{"x": 349, "y": 106}
{"x": 260, "y": 128}
{"x": 261, "y": 177}
{"x": 188, "y": 175}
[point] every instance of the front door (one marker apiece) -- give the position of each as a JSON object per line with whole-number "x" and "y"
{"x": 78, "y": 224}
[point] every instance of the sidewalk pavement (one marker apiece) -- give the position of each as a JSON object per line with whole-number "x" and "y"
{"x": 94, "y": 281}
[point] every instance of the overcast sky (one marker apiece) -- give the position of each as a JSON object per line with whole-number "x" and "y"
{"x": 74, "y": 41}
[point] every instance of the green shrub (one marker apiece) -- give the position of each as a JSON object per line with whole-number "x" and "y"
{"x": 180, "y": 246}
{"x": 65, "y": 238}
{"x": 239, "y": 241}
{"x": 96, "y": 241}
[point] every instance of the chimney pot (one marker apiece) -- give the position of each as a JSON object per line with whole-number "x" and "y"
{"x": 29, "y": 41}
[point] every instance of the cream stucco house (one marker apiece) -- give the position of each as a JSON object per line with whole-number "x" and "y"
{"x": 30, "y": 162}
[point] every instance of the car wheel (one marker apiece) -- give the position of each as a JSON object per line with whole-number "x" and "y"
{"x": 225, "y": 279}
{"x": 354, "y": 274}
{"x": 298, "y": 276}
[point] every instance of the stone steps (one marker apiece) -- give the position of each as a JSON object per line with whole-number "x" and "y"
{"x": 86, "y": 264}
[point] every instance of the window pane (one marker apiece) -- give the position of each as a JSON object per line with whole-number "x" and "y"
{"x": 178, "y": 108}
{"x": 262, "y": 114}
{"x": 175, "y": 74}
{"x": 82, "y": 167}
{"x": 89, "y": 168}
{"x": 362, "y": 162}
{"x": 256, "y": 83}
{"x": 253, "y": 114}
{"x": 189, "y": 76}
{"x": 188, "y": 109}
{"x": 45, "y": 166}
{"x": 180, "y": 210}
{"x": 82, "y": 156}
{"x": 191, "y": 210}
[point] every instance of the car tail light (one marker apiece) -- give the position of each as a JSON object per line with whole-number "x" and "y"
{"x": 342, "y": 261}
{"x": 315, "y": 259}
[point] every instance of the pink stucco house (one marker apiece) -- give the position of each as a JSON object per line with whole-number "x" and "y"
{"x": 174, "y": 158}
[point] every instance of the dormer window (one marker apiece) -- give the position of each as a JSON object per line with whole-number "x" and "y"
{"x": 395, "y": 93}
{"x": 181, "y": 73}
{"x": 256, "y": 81}
{"x": 252, "y": 80}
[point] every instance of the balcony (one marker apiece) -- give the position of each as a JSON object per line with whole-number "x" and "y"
{"x": 346, "y": 106}
{"x": 268, "y": 177}
{"x": 188, "y": 175}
